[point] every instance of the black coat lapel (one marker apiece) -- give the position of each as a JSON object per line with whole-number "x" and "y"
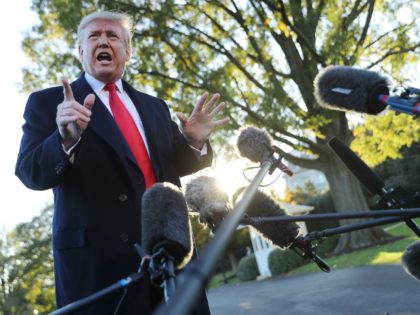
{"x": 102, "y": 122}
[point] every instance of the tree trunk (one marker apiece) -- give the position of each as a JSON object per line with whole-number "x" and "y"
{"x": 347, "y": 195}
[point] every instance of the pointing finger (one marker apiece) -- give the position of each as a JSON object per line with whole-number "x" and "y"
{"x": 68, "y": 93}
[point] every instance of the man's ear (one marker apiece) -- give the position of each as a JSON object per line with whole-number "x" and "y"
{"x": 128, "y": 54}
{"x": 80, "y": 49}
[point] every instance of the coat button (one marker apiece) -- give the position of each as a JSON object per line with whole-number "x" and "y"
{"x": 124, "y": 237}
{"x": 122, "y": 197}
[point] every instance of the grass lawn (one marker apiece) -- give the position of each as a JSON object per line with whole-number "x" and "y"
{"x": 389, "y": 253}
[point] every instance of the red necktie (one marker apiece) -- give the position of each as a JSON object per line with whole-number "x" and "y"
{"x": 131, "y": 134}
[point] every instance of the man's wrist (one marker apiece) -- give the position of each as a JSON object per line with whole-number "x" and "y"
{"x": 69, "y": 146}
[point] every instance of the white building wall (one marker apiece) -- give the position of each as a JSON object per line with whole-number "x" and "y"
{"x": 261, "y": 250}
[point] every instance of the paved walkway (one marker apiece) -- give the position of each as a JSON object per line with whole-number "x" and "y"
{"x": 372, "y": 290}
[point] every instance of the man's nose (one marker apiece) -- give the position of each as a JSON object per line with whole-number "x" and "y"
{"x": 103, "y": 41}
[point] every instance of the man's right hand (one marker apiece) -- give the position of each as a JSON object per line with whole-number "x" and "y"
{"x": 73, "y": 117}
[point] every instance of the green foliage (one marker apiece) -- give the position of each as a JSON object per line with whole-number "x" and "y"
{"x": 282, "y": 261}
{"x": 327, "y": 246}
{"x": 384, "y": 136}
{"x": 201, "y": 233}
{"x": 247, "y": 268}
{"x": 404, "y": 172}
{"x": 26, "y": 268}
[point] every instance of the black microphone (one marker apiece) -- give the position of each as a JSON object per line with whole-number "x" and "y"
{"x": 205, "y": 196}
{"x": 356, "y": 166}
{"x": 165, "y": 223}
{"x": 392, "y": 198}
{"x": 256, "y": 145}
{"x": 346, "y": 88}
{"x": 283, "y": 234}
{"x": 411, "y": 260}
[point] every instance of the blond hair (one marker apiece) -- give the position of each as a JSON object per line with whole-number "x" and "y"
{"x": 123, "y": 19}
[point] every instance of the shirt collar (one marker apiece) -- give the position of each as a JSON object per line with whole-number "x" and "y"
{"x": 98, "y": 86}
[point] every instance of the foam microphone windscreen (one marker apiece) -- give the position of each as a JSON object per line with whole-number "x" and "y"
{"x": 254, "y": 144}
{"x": 357, "y": 167}
{"x": 165, "y": 222}
{"x": 205, "y": 196}
{"x": 282, "y": 234}
{"x": 411, "y": 260}
{"x": 347, "y": 88}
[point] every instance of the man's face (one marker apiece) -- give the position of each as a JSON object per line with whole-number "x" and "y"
{"x": 104, "y": 50}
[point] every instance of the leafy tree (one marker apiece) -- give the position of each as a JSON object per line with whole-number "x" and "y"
{"x": 261, "y": 55}
{"x": 384, "y": 136}
{"x": 404, "y": 171}
{"x": 301, "y": 195}
{"x": 26, "y": 268}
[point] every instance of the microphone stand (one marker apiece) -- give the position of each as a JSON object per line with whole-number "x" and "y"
{"x": 399, "y": 198}
{"x": 162, "y": 272}
{"x": 195, "y": 276}
{"x": 398, "y": 214}
{"x": 303, "y": 245}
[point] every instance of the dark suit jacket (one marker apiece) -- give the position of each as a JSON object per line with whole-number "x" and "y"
{"x": 97, "y": 198}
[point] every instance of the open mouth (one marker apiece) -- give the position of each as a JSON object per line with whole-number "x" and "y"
{"x": 104, "y": 56}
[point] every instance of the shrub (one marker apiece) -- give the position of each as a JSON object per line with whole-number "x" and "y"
{"x": 327, "y": 246}
{"x": 282, "y": 261}
{"x": 247, "y": 268}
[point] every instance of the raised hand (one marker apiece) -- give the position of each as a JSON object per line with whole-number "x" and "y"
{"x": 198, "y": 127}
{"x": 72, "y": 117}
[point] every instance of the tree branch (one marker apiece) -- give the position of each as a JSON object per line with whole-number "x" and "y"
{"x": 392, "y": 53}
{"x": 365, "y": 29}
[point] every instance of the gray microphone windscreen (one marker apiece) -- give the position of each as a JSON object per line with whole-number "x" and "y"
{"x": 254, "y": 144}
{"x": 204, "y": 195}
{"x": 411, "y": 260}
{"x": 165, "y": 222}
{"x": 282, "y": 234}
{"x": 347, "y": 88}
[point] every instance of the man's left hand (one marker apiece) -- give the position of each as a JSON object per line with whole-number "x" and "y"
{"x": 198, "y": 127}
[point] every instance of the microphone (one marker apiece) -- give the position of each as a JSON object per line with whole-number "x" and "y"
{"x": 283, "y": 234}
{"x": 204, "y": 196}
{"x": 346, "y": 88}
{"x": 356, "y": 166}
{"x": 256, "y": 145}
{"x": 165, "y": 223}
{"x": 411, "y": 260}
{"x": 392, "y": 198}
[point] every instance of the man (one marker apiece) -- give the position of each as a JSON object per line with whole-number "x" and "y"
{"x": 99, "y": 149}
